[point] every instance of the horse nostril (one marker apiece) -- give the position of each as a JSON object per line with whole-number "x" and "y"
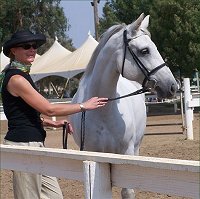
{"x": 173, "y": 88}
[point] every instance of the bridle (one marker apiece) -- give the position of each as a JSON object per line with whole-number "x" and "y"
{"x": 141, "y": 66}
{"x": 144, "y": 88}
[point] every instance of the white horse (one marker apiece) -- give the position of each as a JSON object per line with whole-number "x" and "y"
{"x": 119, "y": 126}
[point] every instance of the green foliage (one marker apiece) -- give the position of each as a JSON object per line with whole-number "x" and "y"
{"x": 174, "y": 26}
{"x": 122, "y": 11}
{"x": 176, "y": 31}
{"x": 43, "y": 16}
{"x": 109, "y": 18}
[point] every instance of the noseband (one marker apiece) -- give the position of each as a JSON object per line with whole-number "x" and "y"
{"x": 141, "y": 66}
{"x": 144, "y": 88}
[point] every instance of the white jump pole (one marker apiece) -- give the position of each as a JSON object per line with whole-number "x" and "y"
{"x": 188, "y": 110}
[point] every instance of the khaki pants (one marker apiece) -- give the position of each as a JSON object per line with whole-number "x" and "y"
{"x": 34, "y": 186}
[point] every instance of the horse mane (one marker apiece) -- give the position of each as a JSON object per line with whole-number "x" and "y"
{"x": 104, "y": 38}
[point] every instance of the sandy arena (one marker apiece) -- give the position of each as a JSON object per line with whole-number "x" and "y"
{"x": 172, "y": 145}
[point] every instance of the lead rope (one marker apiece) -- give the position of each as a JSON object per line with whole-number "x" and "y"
{"x": 140, "y": 91}
{"x": 65, "y": 134}
{"x": 144, "y": 70}
{"x": 82, "y": 130}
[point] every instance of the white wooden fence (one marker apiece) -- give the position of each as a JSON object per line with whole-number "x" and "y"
{"x": 100, "y": 171}
{"x": 191, "y": 101}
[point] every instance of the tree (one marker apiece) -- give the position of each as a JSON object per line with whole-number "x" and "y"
{"x": 175, "y": 28}
{"x": 43, "y": 16}
{"x": 122, "y": 11}
{"x": 109, "y": 18}
{"x": 179, "y": 34}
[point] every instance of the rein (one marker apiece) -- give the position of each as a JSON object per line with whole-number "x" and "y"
{"x": 144, "y": 89}
{"x": 66, "y": 131}
{"x": 65, "y": 134}
{"x": 82, "y": 130}
{"x": 140, "y": 91}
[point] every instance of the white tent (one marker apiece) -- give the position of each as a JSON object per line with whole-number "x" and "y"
{"x": 52, "y": 56}
{"x": 3, "y": 61}
{"x": 37, "y": 57}
{"x": 70, "y": 65}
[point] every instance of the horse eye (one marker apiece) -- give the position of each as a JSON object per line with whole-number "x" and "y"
{"x": 145, "y": 51}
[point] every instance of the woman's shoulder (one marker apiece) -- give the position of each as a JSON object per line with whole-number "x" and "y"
{"x": 15, "y": 71}
{"x": 15, "y": 74}
{"x": 12, "y": 72}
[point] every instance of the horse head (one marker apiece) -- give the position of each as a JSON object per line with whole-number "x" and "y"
{"x": 138, "y": 59}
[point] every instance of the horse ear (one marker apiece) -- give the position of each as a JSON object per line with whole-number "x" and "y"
{"x": 145, "y": 23}
{"x": 136, "y": 24}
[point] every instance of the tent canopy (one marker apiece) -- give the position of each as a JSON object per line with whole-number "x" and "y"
{"x": 70, "y": 65}
{"x": 3, "y": 61}
{"x": 52, "y": 56}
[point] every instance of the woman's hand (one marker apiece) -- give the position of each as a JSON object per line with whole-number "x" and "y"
{"x": 94, "y": 102}
{"x": 58, "y": 124}
{"x": 68, "y": 126}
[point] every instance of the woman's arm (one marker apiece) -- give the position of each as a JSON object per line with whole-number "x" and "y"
{"x": 20, "y": 87}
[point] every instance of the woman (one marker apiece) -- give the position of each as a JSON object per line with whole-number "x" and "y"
{"x": 23, "y": 105}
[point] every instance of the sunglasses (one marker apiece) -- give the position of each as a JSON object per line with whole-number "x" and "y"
{"x": 28, "y": 46}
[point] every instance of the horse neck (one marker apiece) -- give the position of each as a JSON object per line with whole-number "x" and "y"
{"x": 103, "y": 79}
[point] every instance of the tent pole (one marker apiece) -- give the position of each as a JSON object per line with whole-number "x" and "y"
{"x": 65, "y": 86}
{"x": 54, "y": 89}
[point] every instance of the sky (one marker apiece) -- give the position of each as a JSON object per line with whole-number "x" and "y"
{"x": 80, "y": 15}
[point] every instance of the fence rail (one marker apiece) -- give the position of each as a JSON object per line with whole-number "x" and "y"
{"x": 100, "y": 171}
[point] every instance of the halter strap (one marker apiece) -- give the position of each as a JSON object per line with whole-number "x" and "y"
{"x": 141, "y": 66}
{"x": 144, "y": 89}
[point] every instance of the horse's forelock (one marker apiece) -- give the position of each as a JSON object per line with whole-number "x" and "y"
{"x": 104, "y": 38}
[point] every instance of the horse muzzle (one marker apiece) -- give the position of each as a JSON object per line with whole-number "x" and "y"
{"x": 167, "y": 90}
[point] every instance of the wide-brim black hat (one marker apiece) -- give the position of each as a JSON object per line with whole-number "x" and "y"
{"x": 23, "y": 36}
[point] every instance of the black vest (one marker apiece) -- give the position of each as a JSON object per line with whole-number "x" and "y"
{"x": 24, "y": 124}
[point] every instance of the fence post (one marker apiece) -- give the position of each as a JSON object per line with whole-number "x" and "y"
{"x": 188, "y": 110}
{"x": 54, "y": 119}
{"x": 97, "y": 180}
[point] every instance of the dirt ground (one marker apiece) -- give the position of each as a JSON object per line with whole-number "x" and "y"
{"x": 166, "y": 145}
